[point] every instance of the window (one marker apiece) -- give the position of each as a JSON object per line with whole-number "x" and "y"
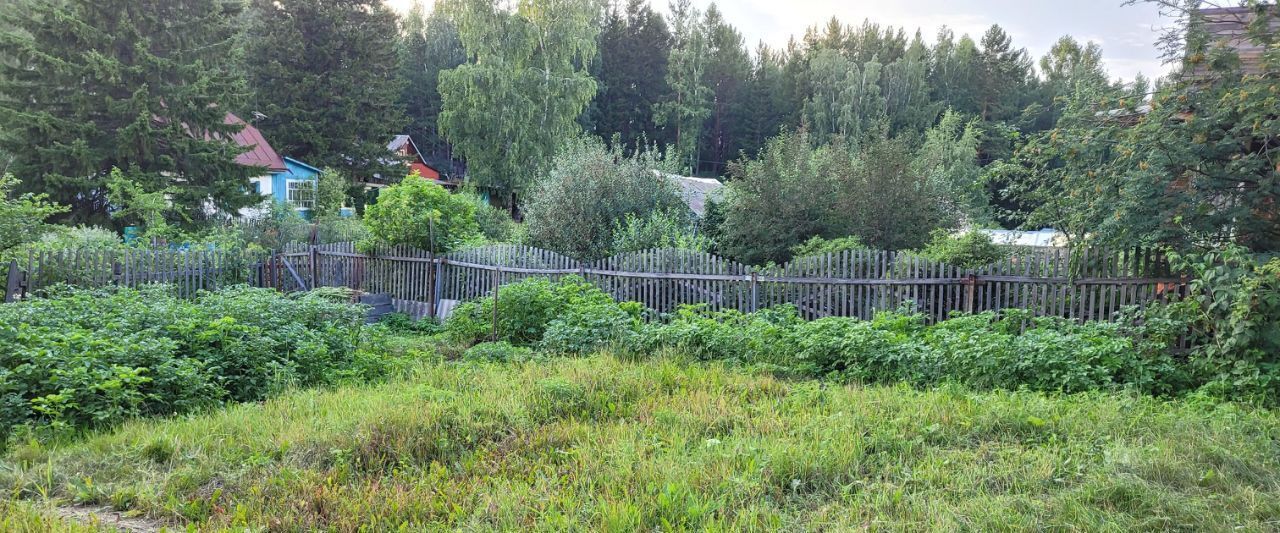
{"x": 301, "y": 194}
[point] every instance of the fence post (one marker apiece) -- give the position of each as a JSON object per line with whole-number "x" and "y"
{"x": 315, "y": 266}
{"x": 438, "y": 286}
{"x": 970, "y": 283}
{"x": 497, "y": 271}
{"x": 14, "y": 283}
{"x": 755, "y": 293}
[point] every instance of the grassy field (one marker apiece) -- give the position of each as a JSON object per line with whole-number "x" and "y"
{"x": 603, "y": 443}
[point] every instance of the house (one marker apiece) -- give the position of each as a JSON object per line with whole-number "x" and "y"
{"x": 404, "y": 147}
{"x": 287, "y": 180}
{"x": 1228, "y": 27}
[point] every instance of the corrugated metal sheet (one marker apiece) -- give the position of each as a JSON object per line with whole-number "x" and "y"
{"x": 260, "y": 153}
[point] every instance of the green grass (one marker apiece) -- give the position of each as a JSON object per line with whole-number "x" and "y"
{"x": 603, "y": 443}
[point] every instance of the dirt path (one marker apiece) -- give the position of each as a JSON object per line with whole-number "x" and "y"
{"x": 108, "y": 517}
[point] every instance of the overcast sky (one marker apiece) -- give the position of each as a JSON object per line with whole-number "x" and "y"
{"x": 1127, "y": 34}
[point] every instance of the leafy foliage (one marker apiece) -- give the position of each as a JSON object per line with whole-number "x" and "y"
{"x": 331, "y": 194}
{"x": 827, "y": 191}
{"x": 589, "y": 189}
{"x": 819, "y": 246}
{"x": 421, "y": 214}
{"x": 522, "y": 87}
{"x": 529, "y": 309}
{"x": 22, "y": 217}
{"x": 971, "y": 249}
{"x": 1232, "y": 313}
{"x": 661, "y": 229}
{"x": 87, "y": 358}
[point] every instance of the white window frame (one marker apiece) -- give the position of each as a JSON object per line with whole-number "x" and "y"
{"x": 292, "y": 193}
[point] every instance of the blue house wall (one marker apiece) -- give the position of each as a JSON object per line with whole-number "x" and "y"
{"x": 298, "y": 171}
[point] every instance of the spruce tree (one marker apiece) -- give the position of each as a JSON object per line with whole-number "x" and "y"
{"x": 430, "y": 45}
{"x": 326, "y": 75}
{"x": 634, "y": 45}
{"x": 142, "y": 85}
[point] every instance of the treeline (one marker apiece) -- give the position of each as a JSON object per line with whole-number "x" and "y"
{"x": 954, "y": 130}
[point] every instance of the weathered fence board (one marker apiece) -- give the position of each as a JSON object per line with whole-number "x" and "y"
{"x": 1089, "y": 284}
{"x": 186, "y": 272}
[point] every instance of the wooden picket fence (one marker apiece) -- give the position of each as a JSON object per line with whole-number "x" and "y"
{"x": 185, "y": 272}
{"x": 1089, "y": 284}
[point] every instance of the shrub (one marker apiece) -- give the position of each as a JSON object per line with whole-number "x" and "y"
{"x": 751, "y": 338}
{"x": 500, "y": 352}
{"x": 525, "y": 309}
{"x": 421, "y": 214}
{"x": 822, "y": 246}
{"x": 22, "y": 218}
{"x": 402, "y": 323}
{"x": 573, "y": 210}
{"x": 1232, "y": 314}
{"x": 660, "y": 229}
{"x": 496, "y": 225}
{"x": 85, "y": 358}
{"x": 590, "y": 327}
{"x": 795, "y": 190}
{"x": 970, "y": 250}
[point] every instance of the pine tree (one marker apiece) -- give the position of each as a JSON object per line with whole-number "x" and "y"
{"x": 1004, "y": 76}
{"x": 327, "y": 76}
{"x": 430, "y": 45}
{"x": 142, "y": 85}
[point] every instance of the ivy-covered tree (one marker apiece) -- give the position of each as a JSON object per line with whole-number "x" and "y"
{"x": 142, "y": 85}
{"x": 326, "y": 76}
{"x": 522, "y": 88}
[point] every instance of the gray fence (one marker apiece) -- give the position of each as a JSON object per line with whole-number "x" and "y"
{"x": 185, "y": 271}
{"x": 1090, "y": 284}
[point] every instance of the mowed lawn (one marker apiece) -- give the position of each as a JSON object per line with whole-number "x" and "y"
{"x": 604, "y": 443}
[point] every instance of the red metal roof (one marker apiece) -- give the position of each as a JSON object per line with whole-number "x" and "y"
{"x": 260, "y": 153}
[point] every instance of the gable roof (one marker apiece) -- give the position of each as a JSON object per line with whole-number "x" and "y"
{"x": 260, "y": 153}
{"x": 301, "y": 164}
{"x": 399, "y": 141}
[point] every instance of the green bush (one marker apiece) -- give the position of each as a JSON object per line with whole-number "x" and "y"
{"x": 525, "y": 310}
{"x": 85, "y": 358}
{"x": 587, "y": 328}
{"x": 821, "y": 246}
{"x": 422, "y": 214}
{"x": 499, "y": 352}
{"x": 970, "y": 250}
{"x": 495, "y": 224}
{"x": 574, "y": 209}
{"x": 660, "y": 229}
{"x": 1232, "y": 315}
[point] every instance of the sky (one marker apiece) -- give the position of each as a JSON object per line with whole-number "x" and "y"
{"x": 1127, "y": 34}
